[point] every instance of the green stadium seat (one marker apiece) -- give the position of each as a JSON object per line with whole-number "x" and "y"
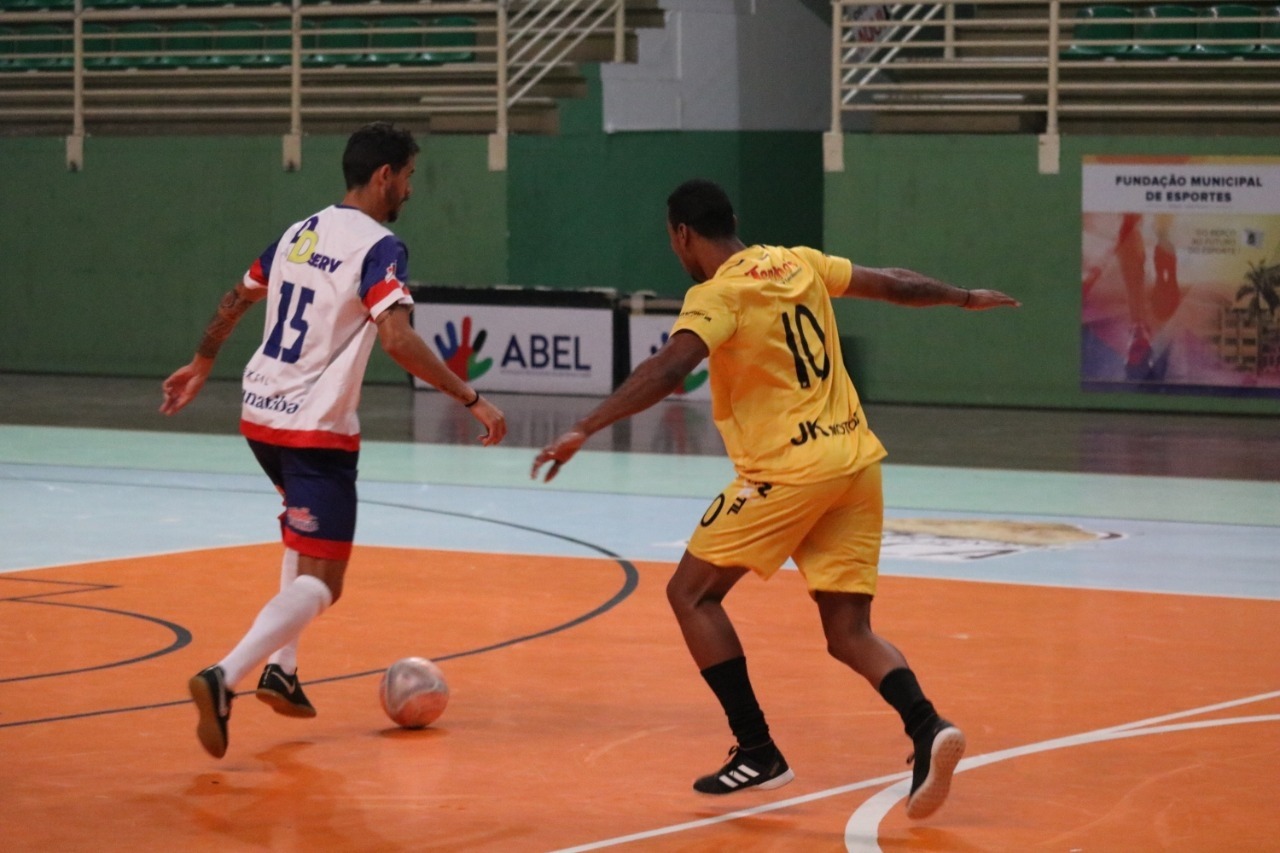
{"x": 1180, "y": 35}
{"x": 184, "y": 36}
{"x": 1270, "y": 31}
{"x": 36, "y": 5}
{"x": 111, "y": 4}
{"x": 340, "y": 41}
{"x": 1095, "y": 23}
{"x": 396, "y": 48}
{"x": 1219, "y": 24}
{"x": 278, "y": 42}
{"x": 237, "y": 43}
{"x": 48, "y": 47}
{"x": 448, "y": 46}
{"x": 98, "y": 45}
{"x": 142, "y": 41}
{"x": 7, "y": 45}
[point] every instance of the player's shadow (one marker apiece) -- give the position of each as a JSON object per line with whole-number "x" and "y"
{"x": 288, "y": 806}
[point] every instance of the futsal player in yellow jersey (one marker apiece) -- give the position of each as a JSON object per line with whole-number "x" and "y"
{"x": 808, "y": 470}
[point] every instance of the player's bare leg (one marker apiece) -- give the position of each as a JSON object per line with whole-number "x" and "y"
{"x": 696, "y": 592}
{"x": 937, "y": 744}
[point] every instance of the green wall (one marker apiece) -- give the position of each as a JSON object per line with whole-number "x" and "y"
{"x": 974, "y": 211}
{"x": 588, "y": 209}
{"x": 116, "y": 269}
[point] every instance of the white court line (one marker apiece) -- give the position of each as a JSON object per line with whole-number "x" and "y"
{"x": 862, "y": 831}
{"x": 903, "y": 780}
{"x": 724, "y": 818}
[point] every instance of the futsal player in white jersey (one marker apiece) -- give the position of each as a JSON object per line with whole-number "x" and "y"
{"x": 334, "y": 283}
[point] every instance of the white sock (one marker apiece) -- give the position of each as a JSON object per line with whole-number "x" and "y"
{"x": 286, "y": 657}
{"x": 280, "y": 621}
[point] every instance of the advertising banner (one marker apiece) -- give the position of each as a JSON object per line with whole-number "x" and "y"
{"x": 1180, "y": 270}
{"x": 648, "y": 333}
{"x": 537, "y": 350}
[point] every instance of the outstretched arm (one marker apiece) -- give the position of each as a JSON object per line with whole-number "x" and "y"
{"x": 655, "y": 378}
{"x": 185, "y": 383}
{"x": 907, "y": 287}
{"x": 408, "y": 350}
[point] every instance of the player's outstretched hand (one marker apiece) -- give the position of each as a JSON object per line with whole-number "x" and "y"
{"x": 980, "y": 300}
{"x": 558, "y": 453}
{"x": 184, "y": 384}
{"x": 495, "y": 423}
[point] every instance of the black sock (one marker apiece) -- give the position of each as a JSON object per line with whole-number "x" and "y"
{"x": 901, "y": 690}
{"x": 732, "y": 687}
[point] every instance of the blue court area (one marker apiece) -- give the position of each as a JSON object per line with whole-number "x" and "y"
{"x": 70, "y": 495}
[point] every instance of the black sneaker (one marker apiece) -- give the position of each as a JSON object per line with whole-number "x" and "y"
{"x": 933, "y": 763}
{"x": 741, "y": 772}
{"x": 283, "y": 692}
{"x": 213, "y": 700}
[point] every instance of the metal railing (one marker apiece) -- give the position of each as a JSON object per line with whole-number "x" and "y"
{"x": 101, "y": 71}
{"x": 1049, "y": 60}
{"x": 534, "y": 37}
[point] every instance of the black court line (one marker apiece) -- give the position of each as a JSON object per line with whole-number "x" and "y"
{"x": 181, "y": 636}
{"x": 631, "y": 579}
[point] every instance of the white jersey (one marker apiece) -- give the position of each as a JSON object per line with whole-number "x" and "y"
{"x": 327, "y": 278}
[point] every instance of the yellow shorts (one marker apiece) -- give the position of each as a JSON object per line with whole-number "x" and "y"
{"x": 831, "y": 529}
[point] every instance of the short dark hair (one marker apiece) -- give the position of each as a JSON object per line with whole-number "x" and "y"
{"x": 374, "y": 146}
{"x": 704, "y": 206}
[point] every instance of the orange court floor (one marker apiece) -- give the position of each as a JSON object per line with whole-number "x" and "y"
{"x": 1096, "y": 720}
{"x": 1094, "y": 597}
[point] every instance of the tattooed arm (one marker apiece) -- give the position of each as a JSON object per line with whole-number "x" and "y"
{"x": 907, "y": 287}
{"x": 185, "y": 382}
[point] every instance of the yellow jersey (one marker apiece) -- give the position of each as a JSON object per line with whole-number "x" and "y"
{"x": 780, "y": 395}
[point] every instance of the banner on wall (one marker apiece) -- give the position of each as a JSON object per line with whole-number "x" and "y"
{"x": 1180, "y": 273}
{"x": 648, "y": 332}
{"x": 528, "y": 349}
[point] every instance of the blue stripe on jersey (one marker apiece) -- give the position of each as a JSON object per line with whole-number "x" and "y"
{"x": 267, "y": 258}
{"x": 388, "y": 258}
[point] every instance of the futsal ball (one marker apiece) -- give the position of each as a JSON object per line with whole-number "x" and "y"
{"x": 413, "y": 692}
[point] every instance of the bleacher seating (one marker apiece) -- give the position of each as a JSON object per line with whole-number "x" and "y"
{"x": 1027, "y": 67}
{"x": 1101, "y": 23}
{"x": 1167, "y": 31}
{"x": 449, "y": 43}
{"x": 186, "y": 43}
{"x": 41, "y": 47}
{"x": 237, "y": 44}
{"x": 138, "y": 44}
{"x": 394, "y": 42}
{"x": 1269, "y": 34}
{"x": 214, "y": 66}
{"x": 98, "y": 46}
{"x": 35, "y": 5}
{"x": 339, "y": 42}
{"x": 1222, "y": 22}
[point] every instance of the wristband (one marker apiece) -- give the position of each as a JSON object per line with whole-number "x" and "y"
{"x": 473, "y": 402}
{"x": 964, "y": 304}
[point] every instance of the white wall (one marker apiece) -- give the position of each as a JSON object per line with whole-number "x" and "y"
{"x": 725, "y": 65}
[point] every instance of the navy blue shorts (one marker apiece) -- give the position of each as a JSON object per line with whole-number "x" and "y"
{"x": 319, "y": 490}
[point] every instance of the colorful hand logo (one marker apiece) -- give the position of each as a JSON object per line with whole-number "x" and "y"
{"x": 693, "y": 380}
{"x": 460, "y": 355}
